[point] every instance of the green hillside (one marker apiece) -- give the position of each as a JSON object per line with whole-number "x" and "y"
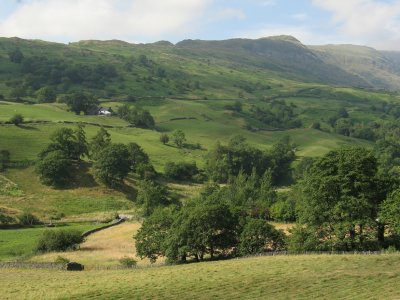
{"x": 190, "y": 86}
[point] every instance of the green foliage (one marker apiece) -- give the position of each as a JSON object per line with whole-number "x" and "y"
{"x": 164, "y": 138}
{"x": 136, "y": 116}
{"x": 341, "y": 192}
{"x": 302, "y": 239}
{"x": 237, "y": 106}
{"x": 238, "y": 155}
{"x": 151, "y": 195}
{"x": 28, "y": 219}
{"x": 81, "y": 102}
{"x": 54, "y": 169}
{"x": 284, "y": 209}
{"x": 200, "y": 229}
{"x": 100, "y": 141}
{"x": 58, "y": 240}
{"x": 16, "y": 56}
{"x": 150, "y": 238}
{"x": 128, "y": 262}
{"x": 258, "y": 236}
{"x": 303, "y": 167}
{"x": 181, "y": 170}
{"x": 46, "y": 95}
{"x": 71, "y": 143}
{"x": 5, "y": 219}
{"x": 390, "y": 212}
{"x": 112, "y": 164}
{"x": 179, "y": 138}
{"x": 277, "y": 115}
{"x": 140, "y": 161}
{"x": 5, "y": 157}
{"x": 17, "y": 119}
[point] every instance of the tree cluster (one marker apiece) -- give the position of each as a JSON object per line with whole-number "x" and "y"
{"x": 342, "y": 198}
{"x": 136, "y": 116}
{"x": 277, "y": 115}
{"x": 111, "y": 162}
{"x": 228, "y": 160}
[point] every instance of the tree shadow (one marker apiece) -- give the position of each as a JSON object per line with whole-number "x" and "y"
{"x": 82, "y": 177}
{"x": 128, "y": 188}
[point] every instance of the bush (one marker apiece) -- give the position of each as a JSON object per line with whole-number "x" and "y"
{"x": 17, "y": 119}
{"x": 5, "y": 220}
{"x": 302, "y": 239}
{"x": 28, "y": 219}
{"x": 128, "y": 262}
{"x": 258, "y": 236}
{"x": 181, "y": 170}
{"x": 164, "y": 138}
{"x": 59, "y": 240}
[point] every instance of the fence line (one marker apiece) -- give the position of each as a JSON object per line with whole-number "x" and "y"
{"x": 87, "y": 233}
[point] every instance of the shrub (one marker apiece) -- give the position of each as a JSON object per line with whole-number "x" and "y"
{"x": 181, "y": 170}
{"x": 17, "y": 119}
{"x": 128, "y": 262}
{"x": 164, "y": 138}
{"x": 316, "y": 125}
{"x": 302, "y": 239}
{"x": 28, "y": 219}
{"x": 59, "y": 240}
{"x": 4, "y": 219}
{"x": 258, "y": 236}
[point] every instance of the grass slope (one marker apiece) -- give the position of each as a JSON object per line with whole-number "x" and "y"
{"x": 294, "y": 277}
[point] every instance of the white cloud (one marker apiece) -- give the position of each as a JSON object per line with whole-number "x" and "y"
{"x": 103, "y": 19}
{"x": 374, "y": 22}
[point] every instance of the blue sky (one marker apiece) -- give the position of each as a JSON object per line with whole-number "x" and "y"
{"x": 374, "y": 23}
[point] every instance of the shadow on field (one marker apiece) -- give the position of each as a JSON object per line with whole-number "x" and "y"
{"x": 83, "y": 178}
{"x": 128, "y": 189}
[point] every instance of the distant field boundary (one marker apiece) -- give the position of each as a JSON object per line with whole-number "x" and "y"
{"x": 87, "y": 233}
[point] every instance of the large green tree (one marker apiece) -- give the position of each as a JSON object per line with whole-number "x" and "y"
{"x": 81, "y": 102}
{"x": 71, "y": 142}
{"x": 112, "y": 165}
{"x": 54, "y": 169}
{"x": 100, "y": 141}
{"x": 341, "y": 195}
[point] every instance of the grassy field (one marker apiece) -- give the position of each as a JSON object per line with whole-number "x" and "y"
{"x": 105, "y": 247}
{"x": 46, "y": 202}
{"x": 20, "y": 243}
{"x": 292, "y": 277}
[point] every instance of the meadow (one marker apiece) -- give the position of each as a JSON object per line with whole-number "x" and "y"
{"x": 280, "y": 277}
{"x": 19, "y": 243}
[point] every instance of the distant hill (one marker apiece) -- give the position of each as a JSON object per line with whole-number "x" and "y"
{"x": 379, "y": 69}
{"x": 284, "y": 55}
{"x": 191, "y": 68}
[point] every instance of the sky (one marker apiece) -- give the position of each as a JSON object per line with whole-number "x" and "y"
{"x": 374, "y": 23}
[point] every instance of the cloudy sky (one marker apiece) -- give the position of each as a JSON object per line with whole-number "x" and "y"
{"x": 374, "y": 23}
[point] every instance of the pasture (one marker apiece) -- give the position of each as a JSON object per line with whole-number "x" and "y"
{"x": 283, "y": 277}
{"x": 17, "y": 243}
